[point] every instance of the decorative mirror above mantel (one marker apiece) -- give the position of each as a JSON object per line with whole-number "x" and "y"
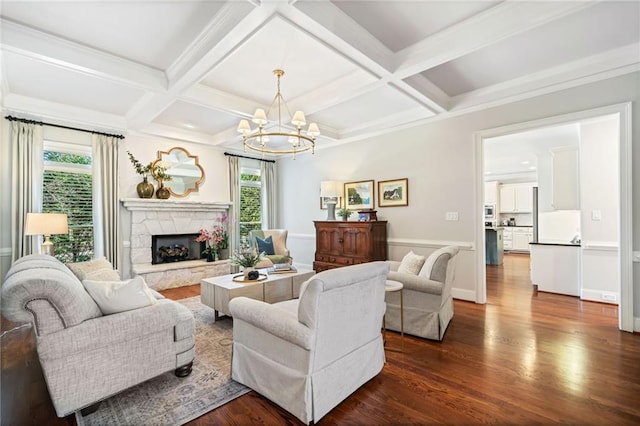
{"x": 184, "y": 169}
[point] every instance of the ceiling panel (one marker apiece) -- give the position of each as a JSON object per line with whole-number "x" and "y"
{"x": 44, "y": 81}
{"x": 367, "y": 108}
{"x": 188, "y": 116}
{"x": 590, "y": 31}
{"x": 308, "y": 64}
{"x": 150, "y": 33}
{"x": 400, "y": 24}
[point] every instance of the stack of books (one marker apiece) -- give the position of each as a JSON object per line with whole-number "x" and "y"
{"x": 281, "y": 268}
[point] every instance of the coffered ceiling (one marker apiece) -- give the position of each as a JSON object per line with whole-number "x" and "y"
{"x": 192, "y": 69}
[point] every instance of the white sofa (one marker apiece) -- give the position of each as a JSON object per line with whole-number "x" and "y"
{"x": 428, "y": 305}
{"x": 87, "y": 356}
{"x": 310, "y": 354}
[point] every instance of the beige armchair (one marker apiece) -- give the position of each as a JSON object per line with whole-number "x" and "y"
{"x": 309, "y": 354}
{"x": 428, "y": 305}
{"x": 281, "y": 252}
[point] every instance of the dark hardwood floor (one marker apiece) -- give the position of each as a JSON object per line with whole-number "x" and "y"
{"x": 523, "y": 358}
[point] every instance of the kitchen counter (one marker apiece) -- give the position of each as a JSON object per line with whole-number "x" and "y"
{"x": 556, "y": 244}
{"x": 555, "y": 267}
{"x": 518, "y": 226}
{"x": 494, "y": 249}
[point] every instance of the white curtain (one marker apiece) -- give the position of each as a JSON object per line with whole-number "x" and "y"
{"x": 234, "y": 197}
{"x": 268, "y": 176}
{"x": 106, "y": 227}
{"x": 26, "y": 183}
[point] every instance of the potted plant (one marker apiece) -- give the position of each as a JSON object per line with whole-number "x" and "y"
{"x": 247, "y": 257}
{"x": 215, "y": 240}
{"x": 344, "y": 213}
{"x": 144, "y": 188}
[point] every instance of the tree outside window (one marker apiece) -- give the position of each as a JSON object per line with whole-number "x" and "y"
{"x": 68, "y": 188}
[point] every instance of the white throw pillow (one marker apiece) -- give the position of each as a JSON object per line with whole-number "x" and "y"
{"x": 119, "y": 296}
{"x": 81, "y": 269}
{"x": 102, "y": 275}
{"x": 411, "y": 263}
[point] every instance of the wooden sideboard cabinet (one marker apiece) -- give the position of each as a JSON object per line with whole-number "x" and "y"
{"x": 344, "y": 243}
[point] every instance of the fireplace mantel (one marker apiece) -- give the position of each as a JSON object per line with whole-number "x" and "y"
{"x": 154, "y": 204}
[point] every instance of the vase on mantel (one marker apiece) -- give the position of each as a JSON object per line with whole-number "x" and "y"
{"x": 162, "y": 192}
{"x": 145, "y": 189}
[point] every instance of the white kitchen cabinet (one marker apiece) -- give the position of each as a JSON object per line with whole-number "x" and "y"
{"x": 516, "y": 198}
{"x": 565, "y": 178}
{"x": 517, "y": 238}
{"x": 491, "y": 192}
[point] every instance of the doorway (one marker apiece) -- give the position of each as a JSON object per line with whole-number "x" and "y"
{"x": 624, "y": 249}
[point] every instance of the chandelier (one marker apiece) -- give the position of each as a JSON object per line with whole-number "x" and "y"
{"x": 281, "y": 140}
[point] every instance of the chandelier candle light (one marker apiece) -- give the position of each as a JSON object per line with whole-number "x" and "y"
{"x": 260, "y": 139}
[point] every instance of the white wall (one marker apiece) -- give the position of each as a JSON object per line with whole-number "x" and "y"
{"x": 438, "y": 159}
{"x": 599, "y": 189}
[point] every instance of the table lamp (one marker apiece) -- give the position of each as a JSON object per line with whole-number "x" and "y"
{"x": 330, "y": 190}
{"x": 46, "y": 224}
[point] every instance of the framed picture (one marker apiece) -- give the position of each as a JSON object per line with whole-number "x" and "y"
{"x": 393, "y": 193}
{"x": 359, "y": 195}
{"x": 323, "y": 205}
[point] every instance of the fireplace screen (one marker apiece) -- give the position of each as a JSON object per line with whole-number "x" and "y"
{"x": 175, "y": 248}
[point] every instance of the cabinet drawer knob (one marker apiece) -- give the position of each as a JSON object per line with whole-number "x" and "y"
{"x": 340, "y": 240}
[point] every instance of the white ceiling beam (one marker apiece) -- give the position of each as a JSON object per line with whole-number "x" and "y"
{"x": 497, "y": 23}
{"x": 64, "y": 114}
{"x": 45, "y": 48}
{"x": 609, "y": 64}
{"x": 333, "y": 27}
{"x": 225, "y": 33}
{"x": 330, "y": 25}
{"x": 171, "y": 132}
{"x": 219, "y": 100}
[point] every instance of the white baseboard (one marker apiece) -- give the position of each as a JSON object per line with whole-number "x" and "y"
{"x": 462, "y": 294}
{"x": 636, "y": 324}
{"x": 598, "y": 296}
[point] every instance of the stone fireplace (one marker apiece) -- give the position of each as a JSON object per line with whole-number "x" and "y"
{"x": 162, "y": 218}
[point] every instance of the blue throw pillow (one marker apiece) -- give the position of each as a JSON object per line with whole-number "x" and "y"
{"x": 265, "y": 245}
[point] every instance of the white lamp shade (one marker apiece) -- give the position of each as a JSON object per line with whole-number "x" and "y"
{"x": 298, "y": 119}
{"x": 330, "y": 188}
{"x": 244, "y": 127}
{"x": 313, "y": 130}
{"x": 259, "y": 117}
{"x": 46, "y": 224}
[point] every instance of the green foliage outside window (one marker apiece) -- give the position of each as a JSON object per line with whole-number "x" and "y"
{"x": 71, "y": 193}
{"x": 250, "y": 204}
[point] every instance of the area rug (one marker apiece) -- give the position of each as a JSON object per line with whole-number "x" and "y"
{"x": 169, "y": 400}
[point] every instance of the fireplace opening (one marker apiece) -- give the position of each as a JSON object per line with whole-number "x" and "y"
{"x": 175, "y": 248}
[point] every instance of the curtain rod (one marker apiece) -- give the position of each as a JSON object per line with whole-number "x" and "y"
{"x": 40, "y": 123}
{"x": 250, "y": 158}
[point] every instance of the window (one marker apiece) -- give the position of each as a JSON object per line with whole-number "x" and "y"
{"x": 250, "y": 200}
{"x": 67, "y": 188}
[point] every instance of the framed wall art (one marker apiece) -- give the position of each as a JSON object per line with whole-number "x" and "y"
{"x": 323, "y": 205}
{"x": 359, "y": 195}
{"x": 393, "y": 193}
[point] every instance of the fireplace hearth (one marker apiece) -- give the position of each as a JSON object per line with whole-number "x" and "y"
{"x": 175, "y": 248}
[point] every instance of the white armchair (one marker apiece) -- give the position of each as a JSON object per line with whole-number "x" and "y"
{"x": 310, "y": 354}
{"x": 428, "y": 305}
